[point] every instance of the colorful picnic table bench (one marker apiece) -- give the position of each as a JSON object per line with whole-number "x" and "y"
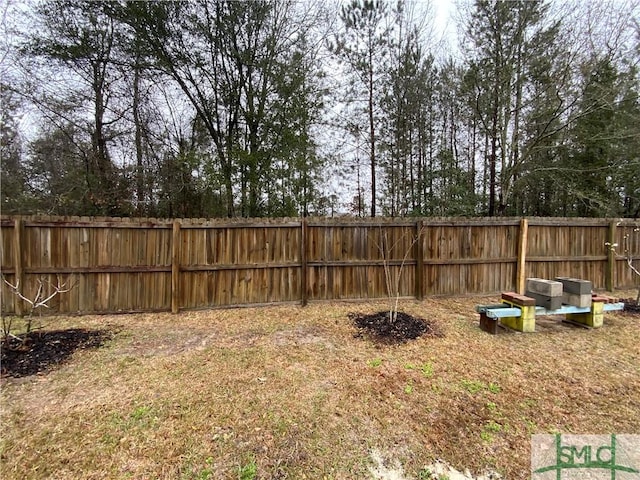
{"x": 519, "y": 312}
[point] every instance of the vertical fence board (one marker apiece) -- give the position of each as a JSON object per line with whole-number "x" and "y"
{"x": 419, "y": 256}
{"x": 175, "y": 267}
{"x": 522, "y": 256}
{"x": 610, "y": 276}
{"x": 18, "y": 259}
{"x": 303, "y": 262}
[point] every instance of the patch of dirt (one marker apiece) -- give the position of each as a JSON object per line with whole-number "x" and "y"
{"x": 40, "y": 351}
{"x": 169, "y": 343}
{"x": 631, "y": 306}
{"x": 383, "y": 471}
{"x": 301, "y": 336}
{"x": 405, "y": 327}
{"x": 441, "y": 469}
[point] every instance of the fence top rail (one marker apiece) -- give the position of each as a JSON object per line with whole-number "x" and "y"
{"x": 7, "y": 221}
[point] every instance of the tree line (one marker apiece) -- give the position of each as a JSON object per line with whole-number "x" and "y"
{"x": 213, "y": 108}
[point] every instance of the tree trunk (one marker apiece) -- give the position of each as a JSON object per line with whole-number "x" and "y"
{"x": 140, "y": 194}
{"x": 492, "y": 162}
{"x": 372, "y": 137}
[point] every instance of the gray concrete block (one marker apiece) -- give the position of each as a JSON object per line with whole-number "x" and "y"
{"x": 576, "y": 300}
{"x": 575, "y": 285}
{"x": 546, "y": 301}
{"x": 541, "y": 286}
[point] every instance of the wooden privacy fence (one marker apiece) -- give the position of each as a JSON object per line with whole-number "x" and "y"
{"x": 127, "y": 265}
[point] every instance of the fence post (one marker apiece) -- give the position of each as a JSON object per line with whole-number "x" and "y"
{"x": 522, "y": 256}
{"x": 18, "y": 227}
{"x": 419, "y": 261}
{"x": 175, "y": 268}
{"x": 303, "y": 262}
{"x": 610, "y": 274}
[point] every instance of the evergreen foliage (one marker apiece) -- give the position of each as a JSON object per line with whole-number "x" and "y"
{"x": 223, "y": 108}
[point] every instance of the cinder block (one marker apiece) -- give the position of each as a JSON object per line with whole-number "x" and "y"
{"x": 541, "y": 286}
{"x": 575, "y": 285}
{"x": 593, "y": 319}
{"x": 528, "y": 319}
{"x": 576, "y": 300}
{"x": 550, "y": 303}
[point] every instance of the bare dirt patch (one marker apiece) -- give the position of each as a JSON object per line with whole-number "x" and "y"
{"x": 301, "y": 336}
{"x": 169, "y": 343}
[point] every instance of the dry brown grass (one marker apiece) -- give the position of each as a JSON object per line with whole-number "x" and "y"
{"x": 290, "y": 390}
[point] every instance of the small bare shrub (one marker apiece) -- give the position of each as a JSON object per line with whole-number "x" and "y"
{"x": 45, "y": 292}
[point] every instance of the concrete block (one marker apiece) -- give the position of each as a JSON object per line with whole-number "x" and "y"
{"x": 593, "y": 319}
{"x": 546, "y": 301}
{"x": 575, "y": 285}
{"x": 526, "y": 322}
{"x": 544, "y": 287}
{"x": 576, "y": 300}
{"x": 528, "y": 319}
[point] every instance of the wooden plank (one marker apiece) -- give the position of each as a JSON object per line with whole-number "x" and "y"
{"x": 522, "y": 256}
{"x": 567, "y": 222}
{"x": 489, "y": 325}
{"x": 96, "y": 224}
{"x": 303, "y": 262}
{"x": 240, "y": 225}
{"x": 89, "y": 270}
{"x": 503, "y": 312}
{"x": 569, "y": 258}
{"x": 610, "y": 272}
{"x": 18, "y": 230}
{"x": 428, "y": 222}
{"x": 469, "y": 261}
{"x": 419, "y": 257}
{"x": 175, "y": 268}
{"x": 358, "y": 263}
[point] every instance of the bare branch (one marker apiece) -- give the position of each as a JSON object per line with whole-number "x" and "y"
{"x": 39, "y": 300}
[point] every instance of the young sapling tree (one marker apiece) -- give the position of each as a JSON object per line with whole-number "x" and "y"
{"x": 630, "y": 244}
{"x": 45, "y": 292}
{"x": 392, "y": 282}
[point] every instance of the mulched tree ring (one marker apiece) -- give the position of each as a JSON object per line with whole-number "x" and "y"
{"x": 40, "y": 351}
{"x": 631, "y": 306}
{"x": 405, "y": 327}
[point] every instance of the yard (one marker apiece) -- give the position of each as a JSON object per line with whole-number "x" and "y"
{"x": 291, "y": 393}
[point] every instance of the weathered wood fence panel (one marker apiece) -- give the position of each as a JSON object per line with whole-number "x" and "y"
{"x": 239, "y": 263}
{"x": 469, "y": 256}
{"x": 570, "y": 247}
{"x": 123, "y": 265}
{"x": 357, "y": 260}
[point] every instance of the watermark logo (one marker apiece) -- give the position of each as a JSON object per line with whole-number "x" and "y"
{"x": 588, "y": 457}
